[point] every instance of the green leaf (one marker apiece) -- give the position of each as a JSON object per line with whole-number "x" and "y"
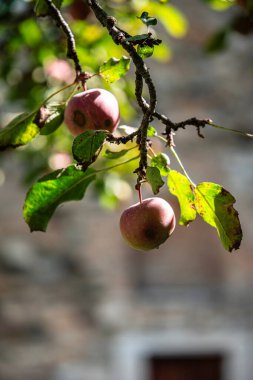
{"x": 114, "y": 68}
{"x": 145, "y": 51}
{"x": 147, "y": 20}
{"x": 215, "y": 205}
{"x": 181, "y": 187}
{"x": 19, "y": 131}
{"x": 54, "y": 120}
{"x": 138, "y": 37}
{"x": 114, "y": 155}
{"x": 87, "y": 146}
{"x": 154, "y": 179}
{"x": 161, "y": 161}
{"x": 50, "y": 191}
{"x": 41, "y": 8}
{"x": 151, "y": 131}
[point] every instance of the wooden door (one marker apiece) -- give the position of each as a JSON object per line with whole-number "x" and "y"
{"x": 190, "y": 367}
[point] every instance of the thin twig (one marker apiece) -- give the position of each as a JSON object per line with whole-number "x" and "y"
{"x": 170, "y": 125}
{"x": 122, "y": 139}
{"x": 178, "y": 160}
{"x": 71, "y": 53}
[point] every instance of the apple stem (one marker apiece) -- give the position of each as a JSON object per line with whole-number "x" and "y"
{"x": 178, "y": 160}
{"x": 139, "y": 192}
{"x": 152, "y": 151}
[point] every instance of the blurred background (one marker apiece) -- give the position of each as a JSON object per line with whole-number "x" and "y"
{"x": 76, "y": 303}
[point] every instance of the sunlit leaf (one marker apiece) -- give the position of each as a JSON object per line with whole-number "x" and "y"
{"x": 215, "y": 205}
{"x": 154, "y": 179}
{"x": 145, "y": 51}
{"x": 161, "y": 161}
{"x": 114, "y": 68}
{"x": 181, "y": 187}
{"x": 50, "y": 191}
{"x": 87, "y": 146}
{"x": 19, "y": 131}
{"x": 151, "y": 131}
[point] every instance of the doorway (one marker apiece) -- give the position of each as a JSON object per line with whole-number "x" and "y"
{"x": 191, "y": 367}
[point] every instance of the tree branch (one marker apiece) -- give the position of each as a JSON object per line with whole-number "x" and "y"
{"x": 71, "y": 53}
{"x": 170, "y": 125}
{"x": 120, "y": 37}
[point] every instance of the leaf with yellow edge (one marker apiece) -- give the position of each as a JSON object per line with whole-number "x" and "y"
{"x": 114, "y": 68}
{"x": 215, "y": 205}
{"x": 181, "y": 187}
{"x": 20, "y": 131}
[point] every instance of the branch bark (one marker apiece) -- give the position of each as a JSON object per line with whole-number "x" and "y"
{"x": 71, "y": 53}
{"x": 120, "y": 37}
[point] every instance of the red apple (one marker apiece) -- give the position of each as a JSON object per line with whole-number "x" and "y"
{"x": 148, "y": 224}
{"x": 79, "y": 10}
{"x": 60, "y": 70}
{"x": 95, "y": 109}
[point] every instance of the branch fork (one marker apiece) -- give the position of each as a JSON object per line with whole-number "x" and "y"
{"x": 120, "y": 37}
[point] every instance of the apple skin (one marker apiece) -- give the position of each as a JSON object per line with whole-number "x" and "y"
{"x": 60, "y": 70}
{"x": 95, "y": 109}
{"x": 147, "y": 225}
{"x": 79, "y": 10}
